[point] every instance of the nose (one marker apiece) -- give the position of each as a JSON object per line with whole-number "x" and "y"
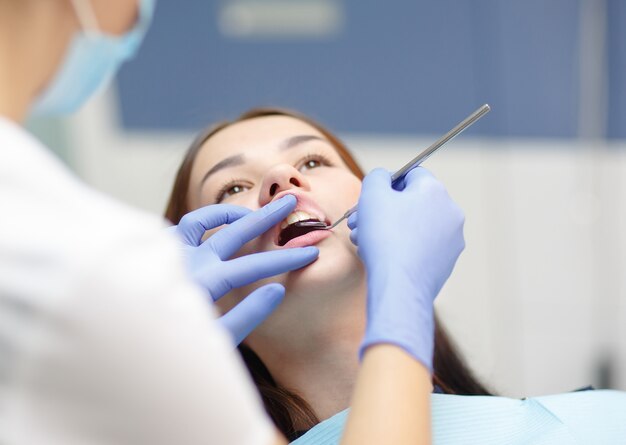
{"x": 280, "y": 178}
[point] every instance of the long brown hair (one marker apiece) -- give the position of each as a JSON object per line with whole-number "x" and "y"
{"x": 288, "y": 410}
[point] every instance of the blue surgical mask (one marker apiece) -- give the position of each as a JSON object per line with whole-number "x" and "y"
{"x": 91, "y": 60}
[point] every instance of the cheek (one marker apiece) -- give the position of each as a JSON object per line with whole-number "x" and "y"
{"x": 248, "y": 199}
{"x": 354, "y": 189}
{"x": 336, "y": 195}
{"x": 341, "y": 192}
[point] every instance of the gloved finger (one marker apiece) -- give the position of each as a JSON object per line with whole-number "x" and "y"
{"x": 256, "y": 307}
{"x": 352, "y": 220}
{"x": 254, "y": 267}
{"x": 378, "y": 179}
{"x": 230, "y": 239}
{"x": 418, "y": 177}
{"x": 193, "y": 225}
{"x": 399, "y": 184}
{"x": 354, "y": 236}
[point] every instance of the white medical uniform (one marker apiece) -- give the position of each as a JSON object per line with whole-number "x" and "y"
{"x": 103, "y": 339}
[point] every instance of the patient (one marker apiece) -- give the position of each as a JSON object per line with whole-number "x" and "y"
{"x": 304, "y": 358}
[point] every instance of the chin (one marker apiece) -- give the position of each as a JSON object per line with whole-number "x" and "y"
{"x": 319, "y": 298}
{"x": 336, "y": 269}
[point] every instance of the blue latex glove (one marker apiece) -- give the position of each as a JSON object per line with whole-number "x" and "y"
{"x": 209, "y": 264}
{"x": 409, "y": 239}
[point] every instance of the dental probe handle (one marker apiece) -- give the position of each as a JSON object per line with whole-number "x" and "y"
{"x": 468, "y": 121}
{"x": 416, "y": 161}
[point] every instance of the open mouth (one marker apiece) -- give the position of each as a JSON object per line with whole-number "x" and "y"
{"x": 289, "y": 229}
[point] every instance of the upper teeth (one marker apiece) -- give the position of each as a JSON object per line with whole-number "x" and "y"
{"x": 295, "y": 217}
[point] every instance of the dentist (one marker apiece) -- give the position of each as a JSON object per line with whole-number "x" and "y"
{"x": 105, "y": 331}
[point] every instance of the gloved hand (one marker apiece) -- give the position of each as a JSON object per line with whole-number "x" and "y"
{"x": 409, "y": 239}
{"x": 209, "y": 264}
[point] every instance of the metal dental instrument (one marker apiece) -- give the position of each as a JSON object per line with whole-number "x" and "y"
{"x": 397, "y": 176}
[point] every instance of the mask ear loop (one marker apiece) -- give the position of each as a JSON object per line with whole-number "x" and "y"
{"x": 86, "y": 15}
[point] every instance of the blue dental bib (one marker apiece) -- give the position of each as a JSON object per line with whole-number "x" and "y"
{"x": 577, "y": 418}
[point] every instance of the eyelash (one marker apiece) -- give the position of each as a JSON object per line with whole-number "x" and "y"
{"x": 323, "y": 160}
{"x": 220, "y": 195}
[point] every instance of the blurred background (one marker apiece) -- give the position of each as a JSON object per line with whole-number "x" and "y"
{"x": 538, "y": 300}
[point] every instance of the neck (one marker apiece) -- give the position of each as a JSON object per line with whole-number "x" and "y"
{"x": 326, "y": 381}
{"x": 320, "y": 361}
{"x": 33, "y": 38}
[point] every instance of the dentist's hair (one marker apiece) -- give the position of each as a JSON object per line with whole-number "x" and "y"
{"x": 289, "y": 410}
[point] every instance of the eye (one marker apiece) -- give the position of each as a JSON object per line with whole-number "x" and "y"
{"x": 230, "y": 189}
{"x": 313, "y": 161}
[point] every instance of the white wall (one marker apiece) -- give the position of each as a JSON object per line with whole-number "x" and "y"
{"x": 537, "y": 298}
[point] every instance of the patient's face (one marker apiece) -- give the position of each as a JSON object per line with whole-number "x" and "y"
{"x": 269, "y": 157}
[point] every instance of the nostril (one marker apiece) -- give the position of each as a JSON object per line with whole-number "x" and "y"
{"x": 295, "y": 182}
{"x": 273, "y": 188}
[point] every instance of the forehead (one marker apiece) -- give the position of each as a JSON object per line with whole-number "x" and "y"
{"x": 252, "y": 137}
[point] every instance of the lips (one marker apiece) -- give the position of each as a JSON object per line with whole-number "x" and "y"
{"x": 306, "y": 209}
{"x": 308, "y": 239}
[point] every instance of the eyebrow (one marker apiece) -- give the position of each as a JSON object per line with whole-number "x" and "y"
{"x": 297, "y": 140}
{"x": 233, "y": 161}
{"x": 230, "y": 161}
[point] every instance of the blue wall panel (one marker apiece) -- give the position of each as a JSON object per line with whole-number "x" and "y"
{"x": 408, "y": 66}
{"x": 617, "y": 68}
